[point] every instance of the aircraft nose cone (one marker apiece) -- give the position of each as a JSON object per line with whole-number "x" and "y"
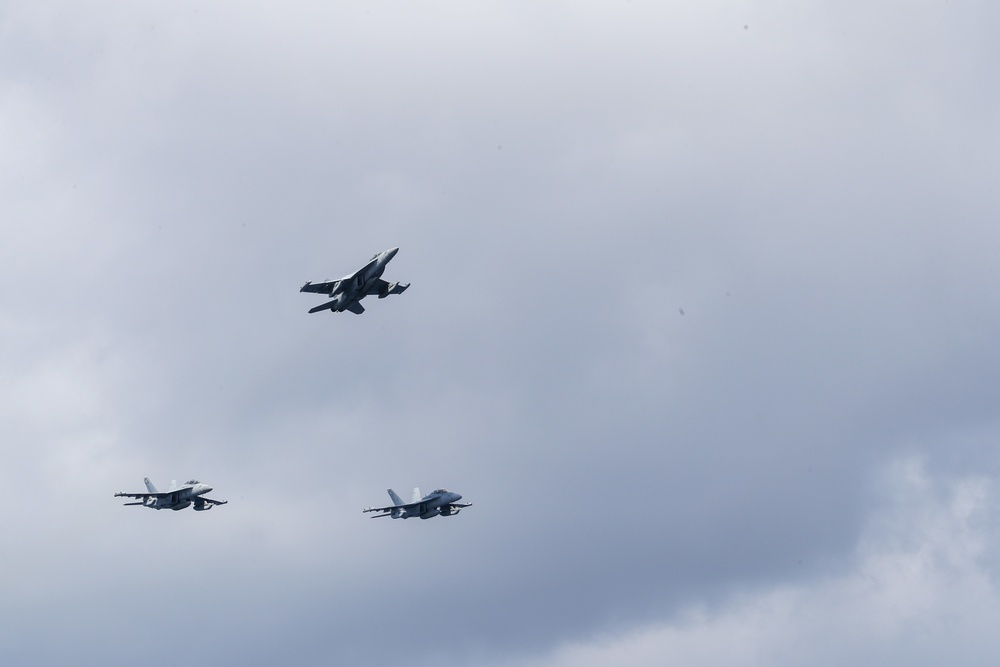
{"x": 390, "y": 253}
{"x": 458, "y": 496}
{"x": 206, "y": 488}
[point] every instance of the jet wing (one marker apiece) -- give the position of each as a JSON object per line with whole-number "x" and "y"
{"x": 142, "y": 497}
{"x": 378, "y": 286}
{"x": 379, "y": 509}
{"x": 325, "y": 287}
{"x": 393, "y": 507}
{"x": 354, "y": 307}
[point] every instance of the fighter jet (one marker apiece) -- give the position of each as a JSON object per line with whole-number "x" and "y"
{"x": 349, "y": 290}
{"x": 177, "y": 498}
{"x": 438, "y": 501}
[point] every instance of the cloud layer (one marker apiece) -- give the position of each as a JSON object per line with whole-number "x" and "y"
{"x": 686, "y": 282}
{"x": 920, "y": 589}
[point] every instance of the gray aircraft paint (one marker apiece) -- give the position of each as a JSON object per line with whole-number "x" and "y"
{"x": 439, "y": 502}
{"x": 176, "y": 498}
{"x": 349, "y": 290}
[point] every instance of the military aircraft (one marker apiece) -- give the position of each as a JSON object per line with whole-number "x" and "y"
{"x": 438, "y": 501}
{"x": 349, "y": 290}
{"x": 177, "y": 498}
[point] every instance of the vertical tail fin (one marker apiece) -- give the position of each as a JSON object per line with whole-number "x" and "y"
{"x": 396, "y": 500}
{"x": 149, "y": 485}
{"x": 417, "y": 497}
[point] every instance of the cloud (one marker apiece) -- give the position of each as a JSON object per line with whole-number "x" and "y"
{"x": 809, "y": 184}
{"x": 922, "y": 590}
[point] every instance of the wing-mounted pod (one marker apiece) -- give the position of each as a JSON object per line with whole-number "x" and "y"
{"x": 201, "y": 506}
{"x": 393, "y": 288}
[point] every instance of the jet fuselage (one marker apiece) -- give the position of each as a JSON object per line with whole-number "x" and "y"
{"x": 347, "y": 292}
{"x": 180, "y": 498}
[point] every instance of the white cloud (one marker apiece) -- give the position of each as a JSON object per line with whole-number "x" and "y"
{"x": 920, "y": 592}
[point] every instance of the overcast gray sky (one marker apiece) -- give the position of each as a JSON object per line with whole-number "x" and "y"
{"x": 704, "y": 320}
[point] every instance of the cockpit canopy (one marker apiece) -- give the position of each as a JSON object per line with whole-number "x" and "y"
{"x": 192, "y": 481}
{"x": 440, "y": 491}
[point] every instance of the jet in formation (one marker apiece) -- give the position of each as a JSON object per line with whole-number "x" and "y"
{"x": 177, "y": 498}
{"x": 438, "y": 501}
{"x": 349, "y": 290}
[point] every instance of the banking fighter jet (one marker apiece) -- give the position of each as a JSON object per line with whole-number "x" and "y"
{"x": 349, "y": 290}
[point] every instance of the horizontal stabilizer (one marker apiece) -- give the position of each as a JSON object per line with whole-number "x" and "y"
{"x": 328, "y": 304}
{"x": 325, "y": 287}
